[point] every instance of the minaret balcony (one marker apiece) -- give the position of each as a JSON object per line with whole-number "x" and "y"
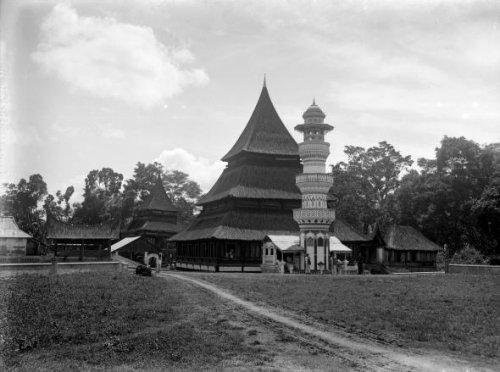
{"x": 314, "y": 216}
{"x": 309, "y": 182}
{"x": 314, "y": 150}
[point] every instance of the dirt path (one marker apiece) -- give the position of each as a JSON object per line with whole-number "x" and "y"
{"x": 362, "y": 352}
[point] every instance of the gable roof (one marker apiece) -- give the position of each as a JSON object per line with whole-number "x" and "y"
{"x": 60, "y": 230}
{"x": 264, "y": 133}
{"x": 158, "y": 199}
{"x": 409, "y": 239}
{"x": 9, "y": 228}
{"x": 345, "y": 232}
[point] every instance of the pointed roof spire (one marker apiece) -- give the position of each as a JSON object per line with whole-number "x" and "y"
{"x": 264, "y": 133}
{"x": 158, "y": 198}
{"x": 264, "y": 85}
{"x": 314, "y": 102}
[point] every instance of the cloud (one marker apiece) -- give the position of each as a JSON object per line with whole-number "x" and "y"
{"x": 199, "y": 169}
{"x": 110, "y": 132}
{"x": 113, "y": 60}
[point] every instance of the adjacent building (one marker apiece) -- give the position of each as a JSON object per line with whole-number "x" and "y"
{"x": 81, "y": 242}
{"x": 12, "y": 239}
{"x": 146, "y": 237}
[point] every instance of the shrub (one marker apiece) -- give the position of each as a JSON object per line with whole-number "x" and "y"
{"x": 469, "y": 255}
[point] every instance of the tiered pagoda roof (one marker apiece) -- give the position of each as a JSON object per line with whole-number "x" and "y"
{"x": 262, "y": 166}
{"x": 156, "y": 215}
{"x": 252, "y": 225}
{"x": 265, "y": 133}
{"x": 254, "y": 181}
{"x": 158, "y": 199}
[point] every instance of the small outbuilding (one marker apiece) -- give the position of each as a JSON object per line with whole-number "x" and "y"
{"x": 406, "y": 246}
{"x": 13, "y": 240}
{"x": 81, "y": 242}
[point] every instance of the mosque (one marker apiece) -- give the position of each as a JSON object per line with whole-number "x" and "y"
{"x": 271, "y": 203}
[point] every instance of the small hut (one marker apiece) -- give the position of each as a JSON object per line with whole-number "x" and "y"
{"x": 12, "y": 239}
{"x": 81, "y": 242}
{"x": 406, "y": 246}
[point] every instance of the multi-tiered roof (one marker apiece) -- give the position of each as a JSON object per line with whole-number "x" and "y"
{"x": 256, "y": 192}
{"x": 157, "y": 215}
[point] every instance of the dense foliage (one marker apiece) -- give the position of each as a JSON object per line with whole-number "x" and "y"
{"x": 453, "y": 199}
{"x": 106, "y": 197}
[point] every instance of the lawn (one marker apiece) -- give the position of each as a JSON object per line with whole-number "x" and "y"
{"x": 452, "y": 313}
{"x": 81, "y": 321}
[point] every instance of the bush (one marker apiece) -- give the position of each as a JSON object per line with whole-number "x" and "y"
{"x": 469, "y": 255}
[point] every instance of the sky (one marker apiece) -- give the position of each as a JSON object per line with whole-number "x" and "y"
{"x": 92, "y": 84}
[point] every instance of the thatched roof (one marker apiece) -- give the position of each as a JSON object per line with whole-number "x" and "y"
{"x": 345, "y": 232}
{"x": 9, "y": 228}
{"x": 60, "y": 230}
{"x": 155, "y": 226}
{"x": 255, "y": 181}
{"x": 265, "y": 133}
{"x": 407, "y": 238}
{"x": 158, "y": 200}
{"x": 254, "y": 225}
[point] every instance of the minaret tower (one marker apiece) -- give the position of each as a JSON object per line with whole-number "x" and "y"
{"x": 314, "y": 218}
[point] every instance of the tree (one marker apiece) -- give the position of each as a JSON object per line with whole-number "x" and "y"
{"x": 59, "y": 205}
{"x": 102, "y": 198}
{"x": 366, "y": 184}
{"x": 21, "y": 201}
{"x": 449, "y": 199}
{"x": 182, "y": 191}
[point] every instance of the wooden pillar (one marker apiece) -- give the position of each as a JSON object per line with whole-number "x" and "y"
{"x": 315, "y": 253}
{"x": 80, "y": 256}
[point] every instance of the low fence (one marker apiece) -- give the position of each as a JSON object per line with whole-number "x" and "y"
{"x": 473, "y": 269}
{"x": 59, "y": 267}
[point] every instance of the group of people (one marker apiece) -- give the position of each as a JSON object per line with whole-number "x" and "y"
{"x": 337, "y": 266}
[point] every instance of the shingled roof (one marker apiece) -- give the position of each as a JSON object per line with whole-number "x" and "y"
{"x": 60, "y": 230}
{"x": 255, "y": 225}
{"x": 265, "y": 133}
{"x": 255, "y": 181}
{"x": 406, "y": 238}
{"x": 158, "y": 199}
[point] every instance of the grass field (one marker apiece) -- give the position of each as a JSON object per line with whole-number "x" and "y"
{"x": 454, "y": 313}
{"x": 111, "y": 321}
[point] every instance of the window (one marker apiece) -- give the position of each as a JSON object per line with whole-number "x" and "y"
{"x": 267, "y": 252}
{"x": 310, "y": 242}
{"x": 320, "y": 242}
{"x": 272, "y": 251}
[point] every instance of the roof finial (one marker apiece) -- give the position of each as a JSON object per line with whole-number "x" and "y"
{"x": 314, "y": 101}
{"x": 264, "y": 79}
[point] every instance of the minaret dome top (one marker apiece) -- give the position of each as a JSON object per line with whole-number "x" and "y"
{"x": 313, "y": 111}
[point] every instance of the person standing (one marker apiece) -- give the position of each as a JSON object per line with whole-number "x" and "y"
{"x": 334, "y": 264}
{"x": 360, "y": 264}
{"x": 308, "y": 264}
{"x": 344, "y": 266}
